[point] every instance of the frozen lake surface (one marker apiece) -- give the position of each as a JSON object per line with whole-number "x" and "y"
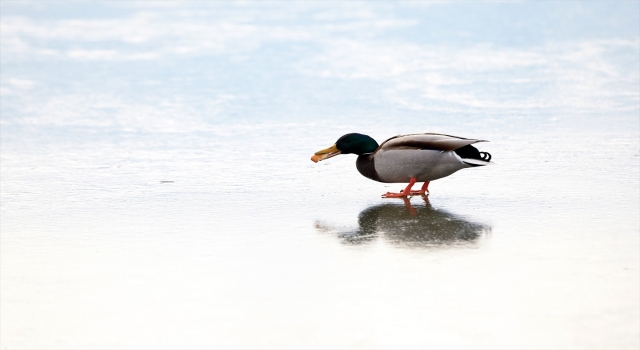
{"x": 156, "y": 188}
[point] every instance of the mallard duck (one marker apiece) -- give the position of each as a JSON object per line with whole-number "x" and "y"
{"x": 408, "y": 158}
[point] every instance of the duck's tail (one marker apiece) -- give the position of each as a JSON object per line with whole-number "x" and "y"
{"x": 471, "y": 156}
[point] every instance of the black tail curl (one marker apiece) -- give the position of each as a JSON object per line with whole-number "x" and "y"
{"x": 470, "y": 152}
{"x": 486, "y": 156}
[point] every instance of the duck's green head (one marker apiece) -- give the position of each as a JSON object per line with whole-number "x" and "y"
{"x": 350, "y": 143}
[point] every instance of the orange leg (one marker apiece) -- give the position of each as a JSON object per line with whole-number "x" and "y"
{"x": 424, "y": 190}
{"x": 403, "y": 193}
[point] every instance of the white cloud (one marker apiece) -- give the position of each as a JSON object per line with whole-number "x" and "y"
{"x": 109, "y": 111}
{"x": 22, "y": 83}
{"x": 109, "y": 55}
{"x": 344, "y": 45}
{"x": 141, "y": 35}
{"x": 15, "y": 86}
{"x": 146, "y": 34}
{"x": 562, "y": 76}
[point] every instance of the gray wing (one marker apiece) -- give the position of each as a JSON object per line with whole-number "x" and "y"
{"x": 427, "y": 141}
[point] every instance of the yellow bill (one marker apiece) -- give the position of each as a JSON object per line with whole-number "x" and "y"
{"x": 325, "y": 154}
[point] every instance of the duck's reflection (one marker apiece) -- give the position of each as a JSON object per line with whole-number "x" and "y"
{"x": 407, "y": 225}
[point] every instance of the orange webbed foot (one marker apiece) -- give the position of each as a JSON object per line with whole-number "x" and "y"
{"x": 394, "y": 195}
{"x": 406, "y": 192}
{"x": 422, "y": 193}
